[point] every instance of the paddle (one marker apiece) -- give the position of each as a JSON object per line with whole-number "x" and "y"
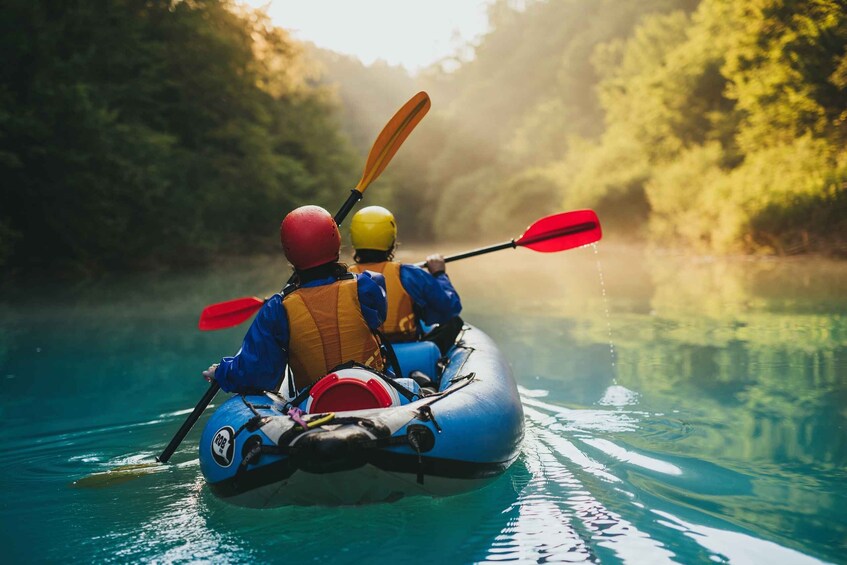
{"x": 232, "y": 313}
{"x": 547, "y": 235}
{"x": 558, "y": 232}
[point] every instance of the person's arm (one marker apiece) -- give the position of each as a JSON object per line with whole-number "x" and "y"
{"x": 260, "y": 362}
{"x": 434, "y": 294}
{"x": 371, "y": 287}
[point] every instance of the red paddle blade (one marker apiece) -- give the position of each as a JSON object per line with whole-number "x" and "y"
{"x": 562, "y": 231}
{"x": 228, "y": 314}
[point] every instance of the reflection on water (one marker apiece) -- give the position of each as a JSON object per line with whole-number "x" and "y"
{"x": 711, "y": 429}
{"x": 731, "y": 372}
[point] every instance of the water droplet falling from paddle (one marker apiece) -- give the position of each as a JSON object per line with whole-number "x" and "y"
{"x": 612, "y": 353}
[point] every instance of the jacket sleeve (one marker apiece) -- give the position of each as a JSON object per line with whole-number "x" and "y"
{"x": 371, "y": 287}
{"x": 438, "y": 300}
{"x": 260, "y": 362}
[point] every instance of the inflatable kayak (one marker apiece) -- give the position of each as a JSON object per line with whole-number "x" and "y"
{"x": 453, "y": 423}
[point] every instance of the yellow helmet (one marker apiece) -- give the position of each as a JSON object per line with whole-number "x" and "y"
{"x": 373, "y": 227}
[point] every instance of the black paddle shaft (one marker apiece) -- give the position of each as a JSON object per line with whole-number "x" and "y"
{"x": 354, "y": 197}
{"x": 481, "y": 251}
{"x": 189, "y": 422}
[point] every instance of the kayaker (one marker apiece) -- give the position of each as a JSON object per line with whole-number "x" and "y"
{"x": 413, "y": 293}
{"x": 324, "y": 319}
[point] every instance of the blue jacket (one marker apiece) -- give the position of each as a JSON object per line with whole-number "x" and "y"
{"x": 260, "y": 362}
{"x": 435, "y": 296}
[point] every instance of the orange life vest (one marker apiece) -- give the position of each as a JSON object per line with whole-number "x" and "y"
{"x": 327, "y": 329}
{"x": 400, "y": 324}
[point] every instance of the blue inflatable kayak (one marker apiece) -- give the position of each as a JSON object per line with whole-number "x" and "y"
{"x": 357, "y": 436}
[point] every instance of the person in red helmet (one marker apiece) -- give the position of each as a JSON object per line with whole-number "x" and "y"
{"x": 327, "y": 317}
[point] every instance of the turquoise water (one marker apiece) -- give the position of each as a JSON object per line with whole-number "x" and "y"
{"x": 687, "y": 410}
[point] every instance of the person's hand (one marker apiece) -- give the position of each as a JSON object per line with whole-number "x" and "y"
{"x": 435, "y": 264}
{"x": 209, "y": 374}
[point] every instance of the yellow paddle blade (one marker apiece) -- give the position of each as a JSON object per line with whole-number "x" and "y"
{"x": 392, "y": 137}
{"x": 118, "y": 475}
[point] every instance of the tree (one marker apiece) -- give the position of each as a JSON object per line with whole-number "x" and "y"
{"x": 140, "y": 132}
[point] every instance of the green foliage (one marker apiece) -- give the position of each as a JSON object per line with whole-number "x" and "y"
{"x": 524, "y": 103}
{"x": 136, "y": 133}
{"x": 666, "y": 89}
{"x": 780, "y": 64}
{"x": 685, "y": 205}
{"x": 719, "y": 125}
{"x": 795, "y": 196}
{"x": 737, "y": 116}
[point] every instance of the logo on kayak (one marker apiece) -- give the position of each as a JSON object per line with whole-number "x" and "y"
{"x": 223, "y": 444}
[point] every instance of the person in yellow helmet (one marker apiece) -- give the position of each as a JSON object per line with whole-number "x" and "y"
{"x": 413, "y": 294}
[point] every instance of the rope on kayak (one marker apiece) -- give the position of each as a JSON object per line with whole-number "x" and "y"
{"x": 257, "y": 421}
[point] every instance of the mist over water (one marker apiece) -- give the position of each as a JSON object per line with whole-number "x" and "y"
{"x": 694, "y": 413}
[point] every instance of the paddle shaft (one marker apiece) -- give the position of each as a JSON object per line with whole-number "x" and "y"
{"x": 570, "y": 230}
{"x": 189, "y": 422}
{"x": 354, "y": 197}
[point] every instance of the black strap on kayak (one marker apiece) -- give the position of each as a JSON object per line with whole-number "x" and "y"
{"x": 253, "y": 452}
{"x": 388, "y": 352}
{"x": 445, "y": 335}
{"x": 297, "y": 400}
{"x": 413, "y": 441}
{"x": 418, "y": 312}
{"x": 425, "y": 414}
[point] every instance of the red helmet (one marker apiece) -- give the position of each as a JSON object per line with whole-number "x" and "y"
{"x": 309, "y": 237}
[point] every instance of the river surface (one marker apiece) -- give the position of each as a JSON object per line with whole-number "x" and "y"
{"x": 678, "y": 409}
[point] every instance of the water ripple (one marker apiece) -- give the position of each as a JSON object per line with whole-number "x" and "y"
{"x": 592, "y": 497}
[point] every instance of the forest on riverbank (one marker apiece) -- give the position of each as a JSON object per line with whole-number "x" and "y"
{"x": 141, "y": 133}
{"x": 719, "y": 125}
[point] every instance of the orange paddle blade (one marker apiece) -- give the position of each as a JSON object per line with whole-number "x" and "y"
{"x": 392, "y": 137}
{"x": 230, "y": 313}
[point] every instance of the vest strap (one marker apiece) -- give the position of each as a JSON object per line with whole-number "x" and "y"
{"x": 390, "y": 354}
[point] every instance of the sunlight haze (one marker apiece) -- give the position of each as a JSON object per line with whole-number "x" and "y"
{"x": 400, "y": 32}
